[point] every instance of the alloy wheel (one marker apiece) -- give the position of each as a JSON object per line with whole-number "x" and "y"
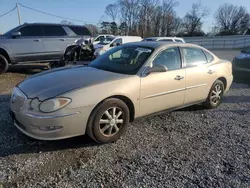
{"x": 111, "y": 121}
{"x": 216, "y": 94}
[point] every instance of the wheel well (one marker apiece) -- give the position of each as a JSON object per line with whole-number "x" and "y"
{"x": 129, "y": 103}
{"x": 224, "y": 81}
{"x": 5, "y": 54}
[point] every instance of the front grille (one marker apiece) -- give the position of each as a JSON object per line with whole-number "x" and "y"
{"x": 18, "y": 99}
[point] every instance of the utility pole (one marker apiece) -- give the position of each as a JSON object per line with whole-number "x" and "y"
{"x": 18, "y": 13}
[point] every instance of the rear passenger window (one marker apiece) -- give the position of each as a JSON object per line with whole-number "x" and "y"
{"x": 79, "y": 30}
{"x": 170, "y": 58}
{"x": 194, "y": 57}
{"x": 178, "y": 41}
{"x": 166, "y": 40}
{"x": 32, "y": 30}
{"x": 54, "y": 30}
{"x": 209, "y": 56}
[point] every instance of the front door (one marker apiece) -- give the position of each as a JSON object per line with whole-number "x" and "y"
{"x": 200, "y": 74}
{"x": 29, "y": 46}
{"x": 163, "y": 90}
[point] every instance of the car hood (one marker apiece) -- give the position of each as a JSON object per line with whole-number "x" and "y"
{"x": 243, "y": 56}
{"x": 52, "y": 83}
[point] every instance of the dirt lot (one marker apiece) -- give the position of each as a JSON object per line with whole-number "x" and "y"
{"x": 192, "y": 147}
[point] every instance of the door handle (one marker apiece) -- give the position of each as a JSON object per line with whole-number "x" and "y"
{"x": 179, "y": 77}
{"x": 62, "y": 39}
{"x": 210, "y": 71}
{"x": 37, "y": 40}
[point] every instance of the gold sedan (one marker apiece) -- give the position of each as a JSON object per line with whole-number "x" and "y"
{"x": 127, "y": 82}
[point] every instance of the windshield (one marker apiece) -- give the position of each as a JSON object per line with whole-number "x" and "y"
{"x": 124, "y": 60}
{"x": 246, "y": 51}
{"x": 10, "y": 31}
{"x": 106, "y": 41}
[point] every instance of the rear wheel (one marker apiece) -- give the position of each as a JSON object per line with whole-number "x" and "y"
{"x": 215, "y": 95}
{"x": 108, "y": 121}
{"x": 3, "y": 64}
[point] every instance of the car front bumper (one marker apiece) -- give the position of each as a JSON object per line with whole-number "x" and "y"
{"x": 51, "y": 127}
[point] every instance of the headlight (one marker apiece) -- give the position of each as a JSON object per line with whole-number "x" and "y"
{"x": 34, "y": 104}
{"x": 53, "y": 105}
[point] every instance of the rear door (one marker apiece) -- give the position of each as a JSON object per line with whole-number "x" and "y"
{"x": 200, "y": 74}
{"x": 29, "y": 46}
{"x": 55, "y": 41}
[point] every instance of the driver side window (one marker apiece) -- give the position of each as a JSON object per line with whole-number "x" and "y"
{"x": 170, "y": 58}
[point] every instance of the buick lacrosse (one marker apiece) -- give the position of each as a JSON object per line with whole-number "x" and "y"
{"x": 127, "y": 82}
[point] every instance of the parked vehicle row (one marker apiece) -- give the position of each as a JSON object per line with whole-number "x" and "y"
{"x": 127, "y": 82}
{"x": 58, "y": 43}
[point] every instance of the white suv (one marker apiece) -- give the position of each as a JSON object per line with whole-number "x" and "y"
{"x": 111, "y": 42}
{"x": 101, "y": 37}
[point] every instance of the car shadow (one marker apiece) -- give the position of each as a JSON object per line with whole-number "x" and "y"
{"x": 239, "y": 85}
{"x": 27, "y": 68}
{"x": 236, "y": 99}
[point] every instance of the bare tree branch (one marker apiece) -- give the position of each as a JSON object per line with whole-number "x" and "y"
{"x": 112, "y": 10}
{"x": 232, "y": 19}
{"x": 193, "y": 20}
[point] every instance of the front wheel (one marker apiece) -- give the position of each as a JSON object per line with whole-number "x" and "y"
{"x": 108, "y": 121}
{"x": 215, "y": 95}
{"x": 3, "y": 64}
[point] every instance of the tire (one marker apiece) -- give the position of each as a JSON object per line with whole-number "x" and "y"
{"x": 4, "y": 64}
{"x": 215, "y": 95}
{"x": 103, "y": 126}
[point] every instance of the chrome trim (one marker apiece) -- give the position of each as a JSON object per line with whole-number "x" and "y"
{"x": 164, "y": 93}
{"x": 200, "y": 85}
{"x": 50, "y": 117}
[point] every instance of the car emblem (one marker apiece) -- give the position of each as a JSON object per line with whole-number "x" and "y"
{"x": 13, "y": 99}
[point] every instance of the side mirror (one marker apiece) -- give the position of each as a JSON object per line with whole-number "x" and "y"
{"x": 16, "y": 34}
{"x": 156, "y": 68}
{"x": 118, "y": 44}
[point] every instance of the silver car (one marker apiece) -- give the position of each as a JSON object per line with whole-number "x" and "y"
{"x": 127, "y": 82}
{"x": 38, "y": 42}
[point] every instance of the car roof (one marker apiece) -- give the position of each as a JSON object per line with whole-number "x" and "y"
{"x": 157, "y": 44}
{"x": 127, "y": 37}
{"x": 53, "y": 24}
{"x": 163, "y": 38}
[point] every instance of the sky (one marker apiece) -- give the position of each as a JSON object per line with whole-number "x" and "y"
{"x": 90, "y": 11}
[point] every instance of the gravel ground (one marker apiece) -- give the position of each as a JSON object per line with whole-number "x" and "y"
{"x": 192, "y": 147}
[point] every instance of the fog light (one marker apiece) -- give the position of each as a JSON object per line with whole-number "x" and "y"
{"x": 50, "y": 128}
